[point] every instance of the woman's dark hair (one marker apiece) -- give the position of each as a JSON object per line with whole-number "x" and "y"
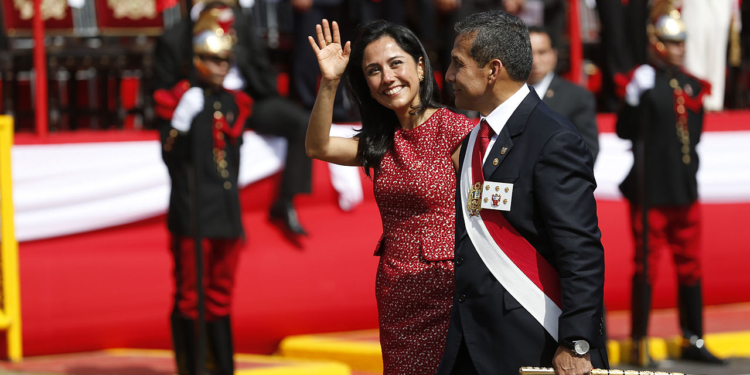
{"x": 379, "y": 122}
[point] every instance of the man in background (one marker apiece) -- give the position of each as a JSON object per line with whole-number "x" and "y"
{"x": 564, "y": 97}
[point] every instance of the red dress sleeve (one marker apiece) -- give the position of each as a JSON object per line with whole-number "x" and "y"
{"x": 456, "y": 128}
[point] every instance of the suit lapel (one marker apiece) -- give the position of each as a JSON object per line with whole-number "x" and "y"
{"x": 515, "y": 125}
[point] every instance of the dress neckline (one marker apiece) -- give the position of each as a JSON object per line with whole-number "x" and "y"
{"x": 426, "y": 122}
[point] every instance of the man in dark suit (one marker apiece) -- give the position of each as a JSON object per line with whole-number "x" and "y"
{"x": 564, "y": 97}
{"x": 272, "y": 114}
{"x": 529, "y": 259}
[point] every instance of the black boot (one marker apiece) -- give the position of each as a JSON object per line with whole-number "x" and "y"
{"x": 691, "y": 321}
{"x": 284, "y": 215}
{"x": 220, "y": 345}
{"x": 640, "y": 310}
{"x": 183, "y": 342}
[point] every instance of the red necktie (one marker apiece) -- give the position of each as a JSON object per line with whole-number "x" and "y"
{"x": 480, "y": 148}
{"x": 483, "y": 138}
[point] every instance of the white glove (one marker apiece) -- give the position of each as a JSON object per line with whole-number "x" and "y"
{"x": 189, "y": 106}
{"x": 643, "y": 80}
{"x": 78, "y": 4}
{"x": 345, "y": 179}
{"x": 348, "y": 184}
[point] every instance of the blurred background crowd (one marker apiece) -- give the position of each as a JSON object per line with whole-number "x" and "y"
{"x": 101, "y": 71}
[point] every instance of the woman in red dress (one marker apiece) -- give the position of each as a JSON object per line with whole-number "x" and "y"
{"x": 411, "y": 145}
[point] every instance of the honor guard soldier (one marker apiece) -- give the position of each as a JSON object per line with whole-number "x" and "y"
{"x": 663, "y": 116}
{"x": 251, "y": 72}
{"x": 201, "y": 133}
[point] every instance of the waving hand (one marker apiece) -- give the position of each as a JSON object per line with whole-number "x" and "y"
{"x": 332, "y": 59}
{"x": 332, "y": 56}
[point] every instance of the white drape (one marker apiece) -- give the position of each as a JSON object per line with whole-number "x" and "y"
{"x": 71, "y": 188}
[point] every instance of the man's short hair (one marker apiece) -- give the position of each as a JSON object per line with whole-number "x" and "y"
{"x": 499, "y": 35}
{"x": 543, "y": 30}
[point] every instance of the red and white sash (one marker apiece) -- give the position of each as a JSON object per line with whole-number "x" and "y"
{"x": 522, "y": 271}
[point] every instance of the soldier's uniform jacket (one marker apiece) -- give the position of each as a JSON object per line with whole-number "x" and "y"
{"x": 674, "y": 102}
{"x": 216, "y": 161}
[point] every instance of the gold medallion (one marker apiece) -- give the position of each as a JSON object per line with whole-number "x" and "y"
{"x": 474, "y": 203}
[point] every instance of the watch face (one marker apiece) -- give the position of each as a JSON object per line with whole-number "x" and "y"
{"x": 581, "y": 347}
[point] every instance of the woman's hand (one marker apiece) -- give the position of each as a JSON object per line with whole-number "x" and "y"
{"x": 332, "y": 58}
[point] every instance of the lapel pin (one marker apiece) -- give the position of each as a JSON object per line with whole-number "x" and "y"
{"x": 496, "y": 161}
{"x": 503, "y": 150}
{"x": 550, "y": 93}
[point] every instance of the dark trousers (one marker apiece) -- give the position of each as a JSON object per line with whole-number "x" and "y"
{"x": 305, "y": 69}
{"x": 616, "y": 55}
{"x": 281, "y": 117}
{"x": 637, "y": 18}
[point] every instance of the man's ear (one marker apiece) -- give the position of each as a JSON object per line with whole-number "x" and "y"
{"x": 495, "y": 67}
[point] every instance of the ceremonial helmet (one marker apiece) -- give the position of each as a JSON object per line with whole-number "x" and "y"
{"x": 665, "y": 25}
{"x": 213, "y": 33}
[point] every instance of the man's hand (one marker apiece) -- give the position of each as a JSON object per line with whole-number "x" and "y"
{"x": 565, "y": 362}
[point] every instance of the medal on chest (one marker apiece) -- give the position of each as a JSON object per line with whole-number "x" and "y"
{"x": 490, "y": 196}
{"x": 475, "y": 199}
{"x": 497, "y": 196}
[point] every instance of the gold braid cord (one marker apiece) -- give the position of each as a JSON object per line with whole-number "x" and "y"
{"x": 133, "y": 9}
{"x": 596, "y": 371}
{"x": 50, "y": 9}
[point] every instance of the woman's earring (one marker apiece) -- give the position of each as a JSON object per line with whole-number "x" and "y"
{"x": 421, "y": 78}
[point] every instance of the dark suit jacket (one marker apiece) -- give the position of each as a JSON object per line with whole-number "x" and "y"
{"x": 577, "y": 105}
{"x": 171, "y": 65}
{"x": 670, "y": 181}
{"x": 554, "y": 209}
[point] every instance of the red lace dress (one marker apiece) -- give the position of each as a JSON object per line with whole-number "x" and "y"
{"x": 415, "y": 191}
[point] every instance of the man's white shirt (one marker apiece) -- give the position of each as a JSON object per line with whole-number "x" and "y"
{"x": 500, "y": 115}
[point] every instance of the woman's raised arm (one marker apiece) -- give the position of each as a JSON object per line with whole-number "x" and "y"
{"x": 332, "y": 59}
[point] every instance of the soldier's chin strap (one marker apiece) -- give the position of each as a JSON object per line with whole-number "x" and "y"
{"x": 596, "y": 371}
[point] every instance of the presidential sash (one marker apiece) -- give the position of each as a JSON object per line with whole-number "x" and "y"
{"x": 514, "y": 262}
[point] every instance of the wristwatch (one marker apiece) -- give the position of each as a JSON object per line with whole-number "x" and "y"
{"x": 580, "y": 347}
